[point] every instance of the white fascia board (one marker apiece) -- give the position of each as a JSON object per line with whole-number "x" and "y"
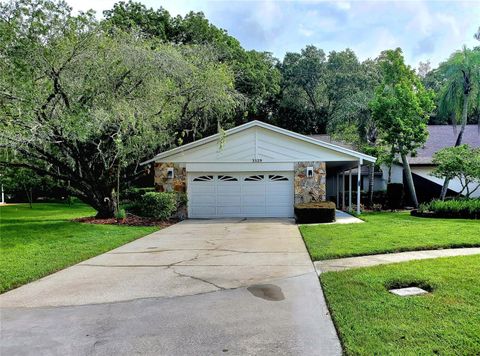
{"x": 360, "y": 156}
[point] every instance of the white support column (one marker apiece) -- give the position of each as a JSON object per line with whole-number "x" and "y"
{"x": 350, "y": 189}
{"x": 337, "y": 188}
{"x": 359, "y": 176}
{"x": 3, "y": 196}
{"x": 343, "y": 190}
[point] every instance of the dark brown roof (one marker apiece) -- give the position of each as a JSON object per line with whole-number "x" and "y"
{"x": 440, "y": 136}
{"x": 328, "y": 138}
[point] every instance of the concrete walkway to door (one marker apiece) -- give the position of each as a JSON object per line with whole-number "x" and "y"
{"x": 200, "y": 287}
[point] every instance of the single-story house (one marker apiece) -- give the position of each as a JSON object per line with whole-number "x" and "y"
{"x": 253, "y": 170}
{"x": 427, "y": 186}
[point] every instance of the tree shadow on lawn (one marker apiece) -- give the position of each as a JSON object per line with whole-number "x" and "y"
{"x": 53, "y": 232}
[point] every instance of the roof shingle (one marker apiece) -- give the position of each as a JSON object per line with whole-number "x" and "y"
{"x": 440, "y": 136}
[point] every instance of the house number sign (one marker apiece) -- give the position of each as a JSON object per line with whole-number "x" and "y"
{"x": 256, "y": 160}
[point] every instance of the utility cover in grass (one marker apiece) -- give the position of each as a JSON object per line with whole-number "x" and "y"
{"x": 406, "y": 292}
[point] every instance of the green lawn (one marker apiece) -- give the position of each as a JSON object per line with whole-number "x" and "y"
{"x": 36, "y": 242}
{"x": 372, "y": 321}
{"x": 388, "y": 232}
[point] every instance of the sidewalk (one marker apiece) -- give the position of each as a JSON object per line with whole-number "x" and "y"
{"x": 341, "y": 264}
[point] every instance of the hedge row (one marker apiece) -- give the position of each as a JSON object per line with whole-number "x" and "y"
{"x": 318, "y": 212}
{"x": 459, "y": 209}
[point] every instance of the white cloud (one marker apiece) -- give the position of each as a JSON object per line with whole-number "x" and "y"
{"x": 444, "y": 19}
{"x": 305, "y": 31}
{"x": 423, "y": 29}
{"x": 268, "y": 14}
{"x": 343, "y": 5}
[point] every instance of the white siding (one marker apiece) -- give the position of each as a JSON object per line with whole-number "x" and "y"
{"x": 425, "y": 172}
{"x": 257, "y": 143}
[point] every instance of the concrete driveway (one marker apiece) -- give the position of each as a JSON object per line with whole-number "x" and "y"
{"x": 200, "y": 287}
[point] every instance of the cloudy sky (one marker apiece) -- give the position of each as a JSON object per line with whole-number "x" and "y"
{"x": 423, "y": 29}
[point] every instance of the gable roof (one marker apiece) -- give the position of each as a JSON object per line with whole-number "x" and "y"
{"x": 440, "y": 136}
{"x": 263, "y": 125}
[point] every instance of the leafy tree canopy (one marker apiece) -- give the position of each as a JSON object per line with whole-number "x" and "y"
{"x": 402, "y": 105}
{"x": 401, "y": 108}
{"x": 461, "y": 162}
{"x": 256, "y": 75}
{"x": 86, "y": 106}
{"x": 459, "y": 83}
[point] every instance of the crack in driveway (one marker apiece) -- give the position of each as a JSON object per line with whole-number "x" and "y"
{"x": 196, "y": 278}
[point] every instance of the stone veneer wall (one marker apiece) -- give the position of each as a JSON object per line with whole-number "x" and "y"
{"x": 310, "y": 189}
{"x": 177, "y": 184}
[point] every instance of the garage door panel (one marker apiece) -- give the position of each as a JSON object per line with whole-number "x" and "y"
{"x": 229, "y": 200}
{"x": 277, "y": 202}
{"x": 249, "y": 199}
{"x": 240, "y": 194}
{"x": 278, "y": 211}
{"x": 253, "y": 188}
{"x": 203, "y": 188}
{"x": 229, "y": 211}
{"x": 202, "y": 200}
{"x": 253, "y": 210}
{"x": 202, "y": 212}
{"x": 229, "y": 188}
{"x": 279, "y": 188}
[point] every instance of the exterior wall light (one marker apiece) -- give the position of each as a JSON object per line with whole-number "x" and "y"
{"x": 309, "y": 172}
{"x": 170, "y": 173}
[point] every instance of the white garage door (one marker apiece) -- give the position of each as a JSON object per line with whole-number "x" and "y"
{"x": 246, "y": 194}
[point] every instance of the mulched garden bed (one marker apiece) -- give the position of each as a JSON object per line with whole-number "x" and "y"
{"x": 130, "y": 220}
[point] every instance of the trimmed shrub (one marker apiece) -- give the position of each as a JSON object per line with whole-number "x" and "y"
{"x": 121, "y": 214}
{"x": 135, "y": 194}
{"x": 379, "y": 197}
{"x": 158, "y": 205}
{"x": 394, "y": 195}
{"x": 457, "y": 208}
{"x": 315, "y": 212}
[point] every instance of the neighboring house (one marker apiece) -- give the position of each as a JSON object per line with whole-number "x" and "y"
{"x": 427, "y": 186}
{"x": 254, "y": 170}
{"x": 440, "y": 136}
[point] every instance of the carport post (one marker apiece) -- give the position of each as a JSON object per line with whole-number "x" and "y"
{"x": 343, "y": 190}
{"x": 358, "y": 185}
{"x": 350, "y": 190}
{"x": 338, "y": 189}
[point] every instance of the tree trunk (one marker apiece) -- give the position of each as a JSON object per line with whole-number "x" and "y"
{"x": 105, "y": 209}
{"x": 102, "y": 201}
{"x": 444, "y": 190}
{"x": 458, "y": 142}
{"x": 117, "y": 193}
{"x": 371, "y": 181}
{"x": 28, "y": 193}
{"x": 408, "y": 176}
{"x": 29, "y": 196}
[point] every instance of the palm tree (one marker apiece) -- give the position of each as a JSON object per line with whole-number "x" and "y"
{"x": 460, "y": 90}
